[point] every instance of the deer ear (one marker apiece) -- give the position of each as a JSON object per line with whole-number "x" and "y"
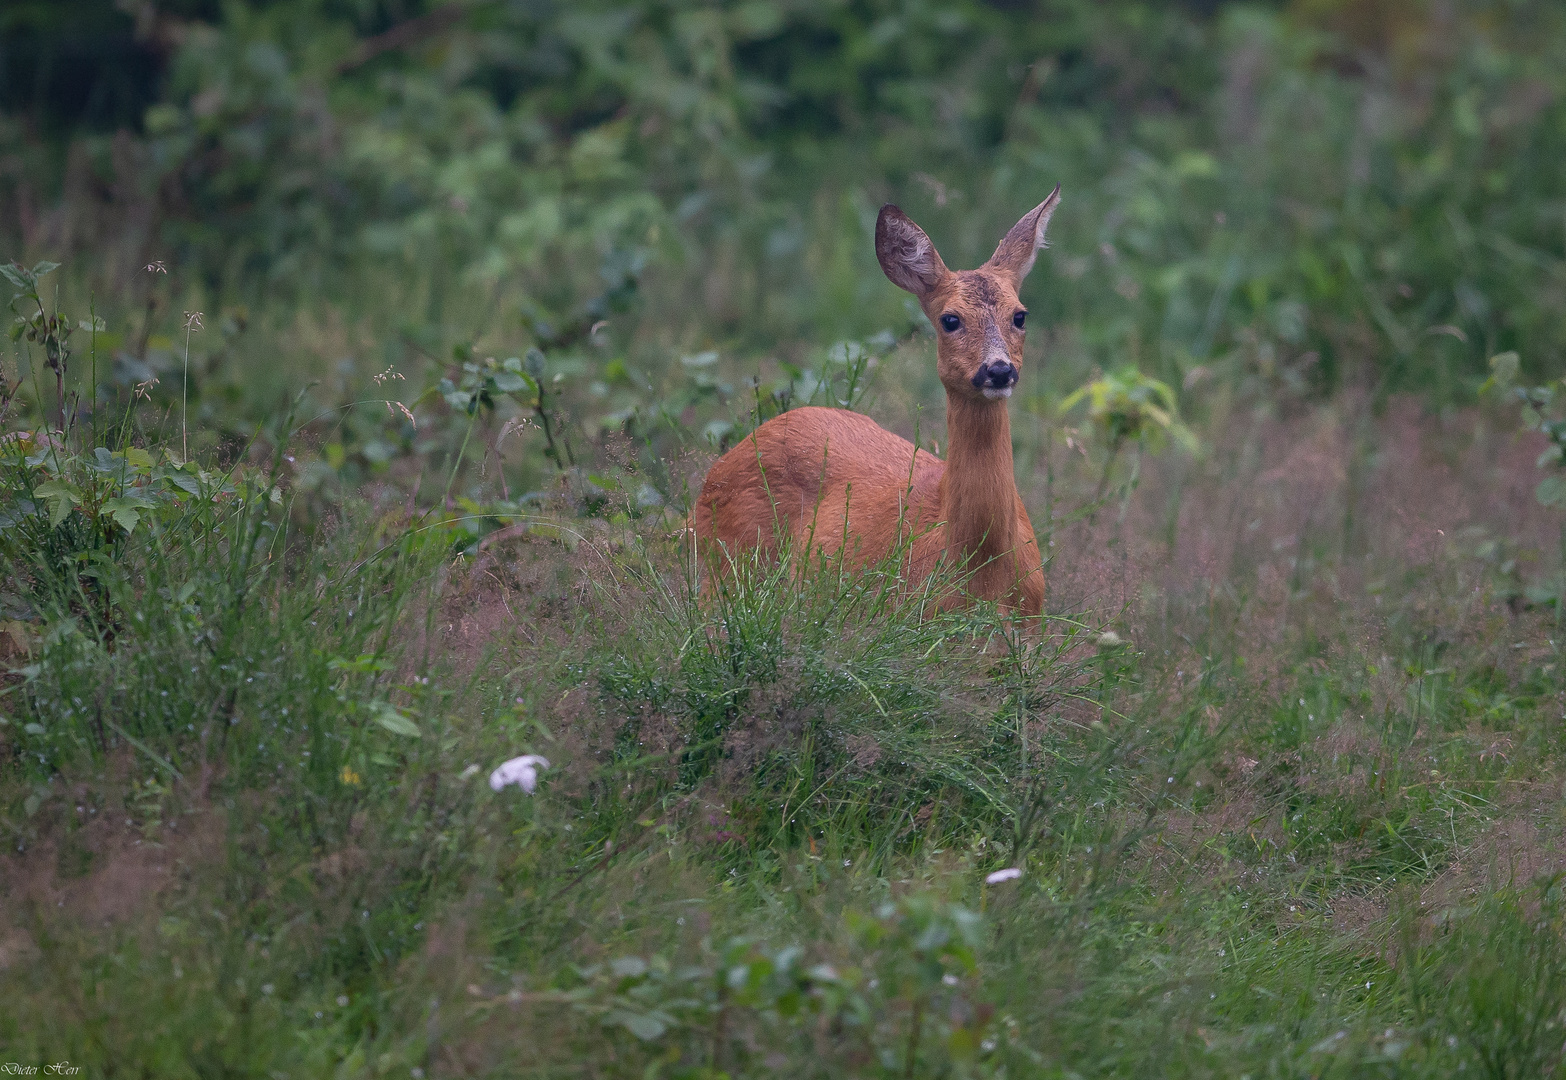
{"x": 906, "y": 253}
{"x": 1014, "y": 257}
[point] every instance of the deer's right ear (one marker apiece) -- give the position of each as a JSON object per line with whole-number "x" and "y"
{"x": 906, "y": 253}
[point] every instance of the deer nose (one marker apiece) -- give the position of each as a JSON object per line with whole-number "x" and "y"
{"x": 998, "y": 375}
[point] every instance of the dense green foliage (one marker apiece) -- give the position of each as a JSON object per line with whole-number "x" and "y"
{"x": 345, "y": 456}
{"x": 1304, "y": 197}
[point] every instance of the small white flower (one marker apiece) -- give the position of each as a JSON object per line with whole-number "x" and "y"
{"x": 949, "y": 979}
{"x": 519, "y": 770}
{"x": 1011, "y": 873}
{"x": 1109, "y": 639}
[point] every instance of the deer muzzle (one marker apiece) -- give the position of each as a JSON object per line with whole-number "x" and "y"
{"x": 995, "y": 379}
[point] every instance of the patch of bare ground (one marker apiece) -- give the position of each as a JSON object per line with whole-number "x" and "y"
{"x": 98, "y": 870}
{"x": 1358, "y": 915}
{"x": 527, "y": 589}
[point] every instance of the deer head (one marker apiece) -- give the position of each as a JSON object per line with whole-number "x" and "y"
{"x": 980, "y": 325}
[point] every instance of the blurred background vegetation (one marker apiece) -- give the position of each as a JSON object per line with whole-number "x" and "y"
{"x": 1274, "y": 200}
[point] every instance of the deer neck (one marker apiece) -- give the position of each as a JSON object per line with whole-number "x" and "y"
{"x": 978, "y": 490}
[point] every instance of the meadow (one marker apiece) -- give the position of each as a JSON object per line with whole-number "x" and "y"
{"x": 362, "y": 379}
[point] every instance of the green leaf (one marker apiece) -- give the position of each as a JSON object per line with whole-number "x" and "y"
{"x": 1551, "y": 491}
{"x": 126, "y": 510}
{"x": 52, "y": 489}
{"x": 126, "y": 517}
{"x": 644, "y": 1026}
{"x": 393, "y": 721}
{"x": 185, "y": 482}
{"x": 628, "y": 967}
{"x": 62, "y": 497}
{"x": 18, "y": 511}
{"x": 1503, "y": 373}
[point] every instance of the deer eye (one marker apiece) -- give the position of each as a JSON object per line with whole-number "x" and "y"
{"x": 1018, "y": 319}
{"x": 950, "y": 323}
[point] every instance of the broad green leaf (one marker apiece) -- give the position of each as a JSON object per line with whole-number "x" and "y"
{"x": 628, "y": 967}
{"x": 16, "y": 512}
{"x": 644, "y": 1026}
{"x": 126, "y": 517}
{"x": 1551, "y": 491}
{"x": 51, "y": 489}
{"x": 62, "y": 497}
{"x": 185, "y": 482}
{"x": 393, "y": 721}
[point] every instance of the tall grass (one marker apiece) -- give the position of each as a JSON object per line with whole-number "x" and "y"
{"x": 253, "y": 834}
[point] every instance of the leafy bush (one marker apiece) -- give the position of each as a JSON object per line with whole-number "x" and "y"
{"x": 910, "y": 1002}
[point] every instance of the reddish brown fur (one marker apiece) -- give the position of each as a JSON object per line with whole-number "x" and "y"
{"x": 836, "y": 483}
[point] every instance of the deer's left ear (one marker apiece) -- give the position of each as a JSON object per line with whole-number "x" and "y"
{"x": 1016, "y": 253}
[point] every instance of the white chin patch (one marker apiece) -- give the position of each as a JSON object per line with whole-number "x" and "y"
{"x": 995, "y": 393}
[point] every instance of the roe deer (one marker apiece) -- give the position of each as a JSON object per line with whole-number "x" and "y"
{"x": 835, "y": 482}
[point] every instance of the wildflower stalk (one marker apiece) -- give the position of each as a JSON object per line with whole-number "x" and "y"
{"x": 192, "y": 322}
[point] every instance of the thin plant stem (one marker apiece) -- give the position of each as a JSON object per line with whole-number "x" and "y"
{"x": 192, "y": 319}
{"x": 452, "y": 479}
{"x": 92, "y": 316}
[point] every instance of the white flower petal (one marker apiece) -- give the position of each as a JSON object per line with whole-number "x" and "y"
{"x": 522, "y": 771}
{"x": 1011, "y": 873}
